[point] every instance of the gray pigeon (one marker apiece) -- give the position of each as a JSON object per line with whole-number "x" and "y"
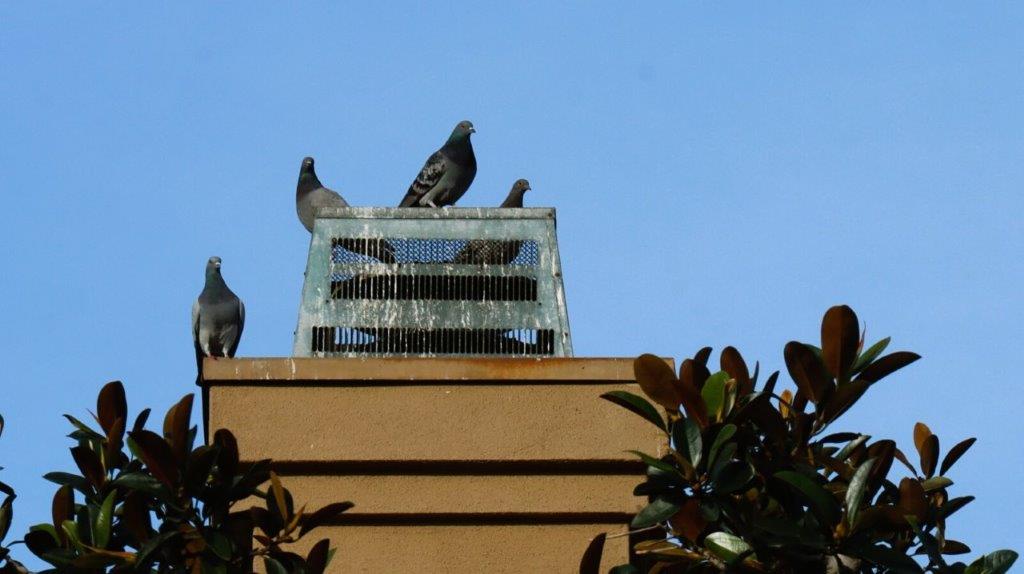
{"x": 493, "y": 251}
{"x": 218, "y": 317}
{"x": 311, "y": 196}
{"x": 447, "y": 174}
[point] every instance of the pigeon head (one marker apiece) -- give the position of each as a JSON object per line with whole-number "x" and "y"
{"x": 308, "y": 180}
{"x": 213, "y": 276}
{"x": 462, "y": 131}
{"x": 515, "y": 195}
{"x": 213, "y": 265}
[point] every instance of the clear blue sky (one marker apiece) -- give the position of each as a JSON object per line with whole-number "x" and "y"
{"x": 722, "y": 175}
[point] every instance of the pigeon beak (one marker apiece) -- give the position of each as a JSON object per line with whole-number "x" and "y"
{"x": 472, "y": 130}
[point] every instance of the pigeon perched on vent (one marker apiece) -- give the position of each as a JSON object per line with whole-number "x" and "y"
{"x": 311, "y": 196}
{"x": 447, "y": 174}
{"x": 218, "y": 317}
{"x": 493, "y": 251}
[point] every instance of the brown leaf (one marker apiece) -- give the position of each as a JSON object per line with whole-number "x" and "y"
{"x": 929, "y": 455}
{"x": 115, "y": 441}
{"x": 732, "y": 362}
{"x": 807, "y": 372}
{"x": 845, "y": 396}
{"x": 701, "y": 357}
{"x": 89, "y": 463}
{"x": 111, "y": 405}
{"x": 883, "y": 452}
{"x": 887, "y": 365}
{"x": 157, "y": 455}
{"x": 176, "y": 426}
{"x": 63, "y": 508}
{"x": 906, "y": 462}
{"x": 912, "y": 499}
{"x": 840, "y": 337}
{"x": 591, "y": 561}
{"x": 657, "y": 381}
{"x": 692, "y": 400}
{"x": 955, "y": 547}
{"x": 227, "y": 457}
{"x": 955, "y": 453}
{"x": 135, "y": 517}
{"x": 697, "y": 373}
{"x": 689, "y": 522}
{"x": 323, "y": 515}
{"x": 921, "y": 432}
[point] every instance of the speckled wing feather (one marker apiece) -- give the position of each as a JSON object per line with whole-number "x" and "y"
{"x": 428, "y": 177}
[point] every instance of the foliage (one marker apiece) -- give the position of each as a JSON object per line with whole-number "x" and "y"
{"x": 752, "y": 482}
{"x": 7, "y": 564}
{"x": 164, "y": 506}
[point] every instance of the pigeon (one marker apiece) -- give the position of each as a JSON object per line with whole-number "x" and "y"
{"x": 311, "y": 196}
{"x": 218, "y": 317}
{"x": 447, "y": 174}
{"x": 492, "y": 251}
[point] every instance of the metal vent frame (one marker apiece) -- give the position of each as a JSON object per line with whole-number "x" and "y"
{"x": 379, "y": 301}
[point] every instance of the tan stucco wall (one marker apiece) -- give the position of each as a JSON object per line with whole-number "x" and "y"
{"x": 455, "y": 465}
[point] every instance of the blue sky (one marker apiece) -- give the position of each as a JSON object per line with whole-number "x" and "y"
{"x": 722, "y": 176}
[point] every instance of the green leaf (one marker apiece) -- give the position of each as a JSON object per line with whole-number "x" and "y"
{"x": 855, "y": 491}
{"x": 935, "y": 483}
{"x": 637, "y": 405}
{"x": 997, "y": 562}
{"x": 724, "y": 434}
{"x": 896, "y": 562}
{"x": 138, "y": 481}
{"x": 868, "y": 356}
{"x": 84, "y": 428}
{"x": 732, "y": 476}
{"x": 726, "y": 546}
{"x": 74, "y": 481}
{"x": 273, "y": 566}
{"x": 659, "y": 510}
{"x": 658, "y": 464}
{"x": 713, "y": 394}
{"x": 693, "y": 443}
{"x": 104, "y": 519}
{"x": 821, "y": 501}
{"x": 151, "y": 546}
{"x": 624, "y": 569}
{"x": 845, "y": 452}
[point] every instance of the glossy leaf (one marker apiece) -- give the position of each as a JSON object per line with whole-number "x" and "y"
{"x": 921, "y": 432}
{"x": 821, "y": 501}
{"x": 653, "y": 462}
{"x": 726, "y": 546}
{"x": 912, "y": 499}
{"x": 701, "y": 358}
{"x": 870, "y": 355}
{"x": 140, "y": 421}
{"x": 954, "y": 504}
{"x": 807, "y": 372}
{"x": 227, "y": 453}
{"x": 323, "y": 516}
{"x": 637, "y": 405}
{"x": 713, "y": 394}
{"x": 732, "y": 362}
{"x": 688, "y": 522}
{"x": 591, "y": 561}
{"x": 887, "y": 365}
{"x": 84, "y": 428}
{"x": 90, "y": 466}
{"x": 104, "y": 521}
{"x": 658, "y": 381}
{"x": 693, "y": 444}
{"x": 929, "y": 455}
{"x": 732, "y": 476}
{"x": 176, "y": 428}
{"x": 840, "y": 337}
{"x": 935, "y": 483}
{"x": 724, "y": 434}
{"x": 659, "y": 510}
{"x": 855, "y": 491}
{"x": 111, "y": 405}
{"x": 316, "y": 560}
{"x": 955, "y": 453}
{"x": 769, "y": 384}
{"x": 157, "y": 455}
{"x": 62, "y": 508}
{"x": 998, "y": 562}
{"x": 691, "y": 377}
{"x": 135, "y": 518}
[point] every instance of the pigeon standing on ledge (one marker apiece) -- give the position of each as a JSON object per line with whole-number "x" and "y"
{"x": 495, "y": 251}
{"x": 218, "y": 317}
{"x": 447, "y": 174}
{"x": 311, "y": 195}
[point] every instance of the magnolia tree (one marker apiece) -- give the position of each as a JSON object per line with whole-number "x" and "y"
{"x": 756, "y": 480}
{"x": 142, "y": 501}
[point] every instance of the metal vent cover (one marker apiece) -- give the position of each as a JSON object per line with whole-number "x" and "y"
{"x": 384, "y": 281}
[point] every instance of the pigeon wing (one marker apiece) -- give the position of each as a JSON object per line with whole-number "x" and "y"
{"x": 428, "y": 177}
